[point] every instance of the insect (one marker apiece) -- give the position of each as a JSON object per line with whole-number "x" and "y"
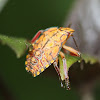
{"x": 46, "y": 48}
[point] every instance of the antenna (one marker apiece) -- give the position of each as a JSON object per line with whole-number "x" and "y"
{"x": 75, "y": 42}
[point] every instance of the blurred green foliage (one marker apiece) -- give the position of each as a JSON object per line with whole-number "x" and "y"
{"x": 18, "y": 45}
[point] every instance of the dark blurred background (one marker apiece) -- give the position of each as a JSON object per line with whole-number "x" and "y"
{"x": 23, "y": 18}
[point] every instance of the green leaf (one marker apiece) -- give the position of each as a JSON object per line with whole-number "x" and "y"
{"x": 18, "y": 45}
{"x": 70, "y": 60}
{"x": 88, "y": 58}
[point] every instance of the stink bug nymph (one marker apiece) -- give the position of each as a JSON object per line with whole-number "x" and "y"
{"x": 46, "y": 49}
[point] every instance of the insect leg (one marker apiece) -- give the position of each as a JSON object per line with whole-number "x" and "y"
{"x": 57, "y": 70}
{"x": 36, "y": 36}
{"x": 73, "y": 51}
{"x": 65, "y": 70}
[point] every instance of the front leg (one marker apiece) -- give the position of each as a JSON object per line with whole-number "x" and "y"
{"x": 73, "y": 51}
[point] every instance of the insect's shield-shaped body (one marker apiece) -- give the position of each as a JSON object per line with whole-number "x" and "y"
{"x": 46, "y": 49}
